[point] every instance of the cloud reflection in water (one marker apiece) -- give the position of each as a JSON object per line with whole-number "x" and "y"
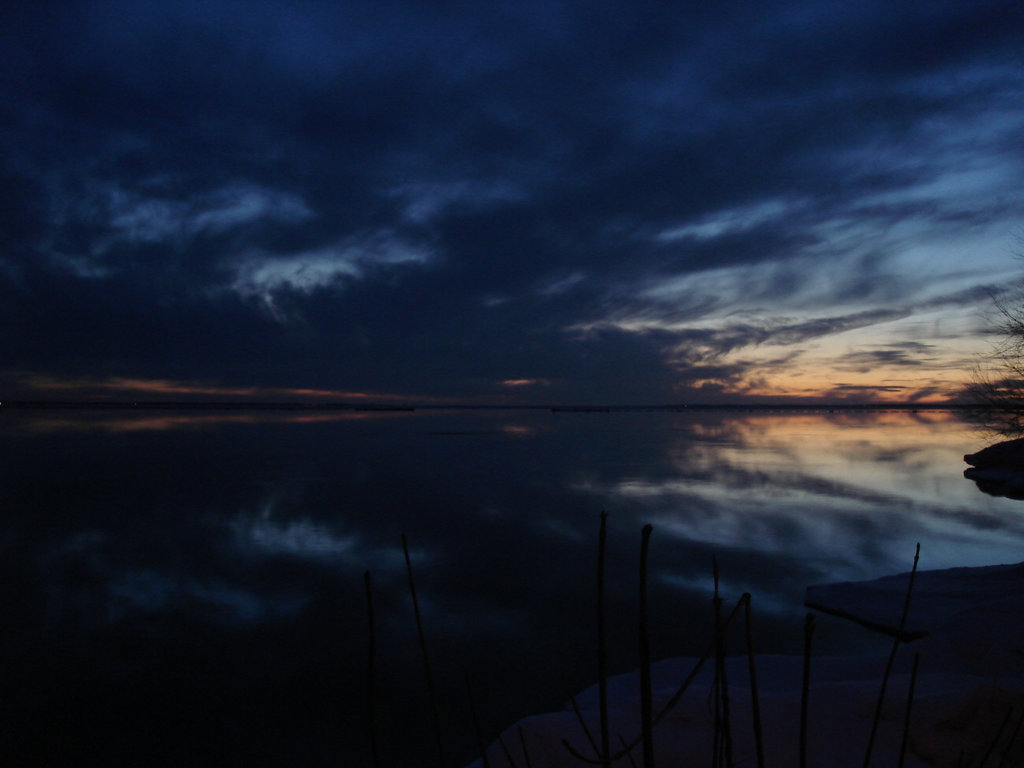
{"x": 853, "y": 492}
{"x": 232, "y": 553}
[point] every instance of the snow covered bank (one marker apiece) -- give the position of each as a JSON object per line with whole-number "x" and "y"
{"x": 970, "y": 628}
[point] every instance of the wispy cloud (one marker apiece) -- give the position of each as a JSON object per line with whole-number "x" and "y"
{"x": 264, "y": 276}
{"x": 525, "y": 383}
{"x": 137, "y": 217}
{"x": 910, "y": 354}
{"x": 559, "y": 285}
{"x": 730, "y": 221}
{"x": 425, "y": 201}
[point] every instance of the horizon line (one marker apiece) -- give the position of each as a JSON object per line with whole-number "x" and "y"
{"x": 241, "y": 405}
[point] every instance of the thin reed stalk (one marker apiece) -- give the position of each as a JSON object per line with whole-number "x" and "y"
{"x": 522, "y": 744}
{"x": 669, "y": 705}
{"x": 506, "y": 751}
{"x": 583, "y": 725}
{"x": 808, "y": 634}
{"x": 755, "y": 704}
{"x": 481, "y": 745}
{"x": 476, "y": 726}
{"x": 629, "y": 753}
{"x": 721, "y": 679}
{"x": 371, "y": 675}
{"x": 910, "y": 704}
{"x": 892, "y": 658}
{"x": 1012, "y": 741}
{"x": 602, "y": 647}
{"x": 646, "y": 724}
{"x": 432, "y": 693}
{"x": 716, "y": 689}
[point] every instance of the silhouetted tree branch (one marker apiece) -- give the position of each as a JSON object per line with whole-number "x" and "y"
{"x": 998, "y": 381}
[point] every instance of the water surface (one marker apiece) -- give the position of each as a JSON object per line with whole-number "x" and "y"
{"x": 174, "y": 580}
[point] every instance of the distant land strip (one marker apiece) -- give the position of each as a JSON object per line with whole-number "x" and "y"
{"x": 186, "y": 405}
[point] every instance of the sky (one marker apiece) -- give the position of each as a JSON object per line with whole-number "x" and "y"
{"x": 507, "y": 202}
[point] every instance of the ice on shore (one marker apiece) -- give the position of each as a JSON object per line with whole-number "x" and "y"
{"x": 969, "y": 625}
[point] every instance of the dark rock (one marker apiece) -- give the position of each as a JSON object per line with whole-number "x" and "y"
{"x": 999, "y": 469}
{"x": 1007, "y": 453}
{"x": 998, "y": 481}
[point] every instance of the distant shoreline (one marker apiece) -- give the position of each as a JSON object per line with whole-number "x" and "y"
{"x": 182, "y": 405}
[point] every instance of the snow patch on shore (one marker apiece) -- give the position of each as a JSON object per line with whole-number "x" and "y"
{"x": 970, "y": 628}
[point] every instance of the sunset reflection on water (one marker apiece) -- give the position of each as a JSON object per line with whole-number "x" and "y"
{"x": 228, "y": 549}
{"x": 852, "y": 491}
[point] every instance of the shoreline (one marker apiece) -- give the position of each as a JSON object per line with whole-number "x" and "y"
{"x": 969, "y": 628}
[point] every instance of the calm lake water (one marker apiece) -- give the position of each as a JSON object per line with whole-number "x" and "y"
{"x": 187, "y": 589}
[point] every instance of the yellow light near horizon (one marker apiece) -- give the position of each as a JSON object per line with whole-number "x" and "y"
{"x": 904, "y": 359}
{"x": 888, "y": 384}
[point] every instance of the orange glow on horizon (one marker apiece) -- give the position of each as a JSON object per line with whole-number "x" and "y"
{"x": 141, "y": 423}
{"x": 808, "y": 378}
{"x": 826, "y": 378}
{"x": 167, "y": 387}
{"x": 837, "y": 392}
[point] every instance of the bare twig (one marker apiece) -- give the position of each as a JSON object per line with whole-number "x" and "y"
{"x": 892, "y": 658}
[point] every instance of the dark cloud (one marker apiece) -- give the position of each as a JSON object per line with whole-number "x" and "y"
{"x": 385, "y": 196}
{"x": 910, "y": 354}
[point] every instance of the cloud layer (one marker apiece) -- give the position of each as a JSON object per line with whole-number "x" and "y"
{"x": 627, "y": 203}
